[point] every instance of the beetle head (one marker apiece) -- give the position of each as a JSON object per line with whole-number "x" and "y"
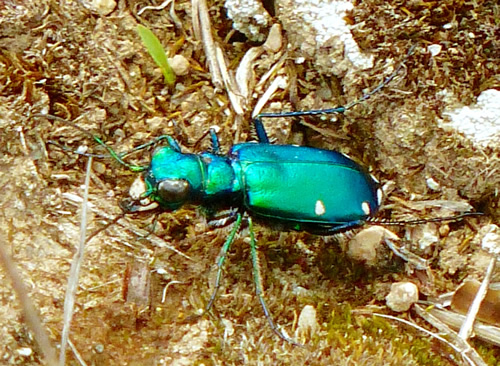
{"x": 173, "y": 178}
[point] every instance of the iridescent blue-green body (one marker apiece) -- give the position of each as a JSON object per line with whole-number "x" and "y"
{"x": 315, "y": 190}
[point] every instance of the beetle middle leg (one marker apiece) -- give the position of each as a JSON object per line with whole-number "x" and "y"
{"x": 259, "y": 291}
{"x": 222, "y": 257}
{"x": 215, "y": 141}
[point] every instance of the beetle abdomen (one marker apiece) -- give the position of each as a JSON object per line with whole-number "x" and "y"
{"x": 305, "y": 185}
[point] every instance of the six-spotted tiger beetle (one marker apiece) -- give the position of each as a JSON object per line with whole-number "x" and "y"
{"x": 301, "y": 188}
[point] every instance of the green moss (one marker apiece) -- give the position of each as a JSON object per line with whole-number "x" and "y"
{"x": 361, "y": 336}
{"x": 491, "y": 355}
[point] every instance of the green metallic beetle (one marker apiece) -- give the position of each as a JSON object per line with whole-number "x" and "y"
{"x": 299, "y": 188}
{"x": 264, "y": 181}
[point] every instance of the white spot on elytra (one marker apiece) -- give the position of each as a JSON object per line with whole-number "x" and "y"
{"x": 319, "y": 208}
{"x": 365, "y": 206}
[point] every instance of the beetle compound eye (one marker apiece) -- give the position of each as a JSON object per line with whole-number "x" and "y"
{"x": 173, "y": 190}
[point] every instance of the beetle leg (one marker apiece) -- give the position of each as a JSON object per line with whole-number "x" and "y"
{"x": 221, "y": 259}
{"x": 223, "y": 218}
{"x": 259, "y": 291}
{"x": 260, "y": 130}
{"x": 339, "y": 109}
{"x": 332, "y": 230}
{"x": 215, "y": 141}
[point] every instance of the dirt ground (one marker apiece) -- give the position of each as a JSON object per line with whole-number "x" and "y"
{"x": 136, "y": 291}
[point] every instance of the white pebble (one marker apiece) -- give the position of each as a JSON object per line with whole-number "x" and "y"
{"x": 179, "y": 64}
{"x": 402, "y": 296}
{"x": 308, "y": 322}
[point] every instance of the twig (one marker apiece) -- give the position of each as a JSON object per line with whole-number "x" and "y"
{"x": 203, "y": 31}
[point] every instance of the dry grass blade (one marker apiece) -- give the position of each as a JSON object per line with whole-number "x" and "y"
{"x": 237, "y": 101}
{"x": 203, "y": 30}
{"x": 69, "y": 301}
{"x": 487, "y": 333}
{"x": 77, "y": 354}
{"x": 32, "y": 319}
{"x": 159, "y": 7}
{"x": 215, "y": 57}
{"x": 460, "y": 345}
{"x": 244, "y": 70}
{"x": 466, "y": 329}
{"x": 473, "y": 361}
{"x": 280, "y": 82}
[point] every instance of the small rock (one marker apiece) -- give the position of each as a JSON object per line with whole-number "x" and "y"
{"x": 491, "y": 240}
{"x": 104, "y": 7}
{"x": 434, "y": 49}
{"x": 228, "y": 328}
{"x": 479, "y": 122}
{"x": 249, "y": 17}
{"x": 24, "y": 351}
{"x": 99, "y": 167}
{"x": 156, "y": 122}
{"x": 363, "y": 247}
{"x": 432, "y": 184}
{"x": 308, "y": 322}
{"x": 179, "y": 64}
{"x": 274, "y": 40}
{"x": 402, "y": 296}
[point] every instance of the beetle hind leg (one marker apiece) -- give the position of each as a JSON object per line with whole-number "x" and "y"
{"x": 259, "y": 130}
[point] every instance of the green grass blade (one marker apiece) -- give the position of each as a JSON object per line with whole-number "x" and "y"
{"x": 156, "y": 51}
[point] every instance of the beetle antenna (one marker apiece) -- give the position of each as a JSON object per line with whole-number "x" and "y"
{"x": 377, "y": 221}
{"x": 117, "y": 156}
{"x": 383, "y": 83}
{"x": 342, "y": 109}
